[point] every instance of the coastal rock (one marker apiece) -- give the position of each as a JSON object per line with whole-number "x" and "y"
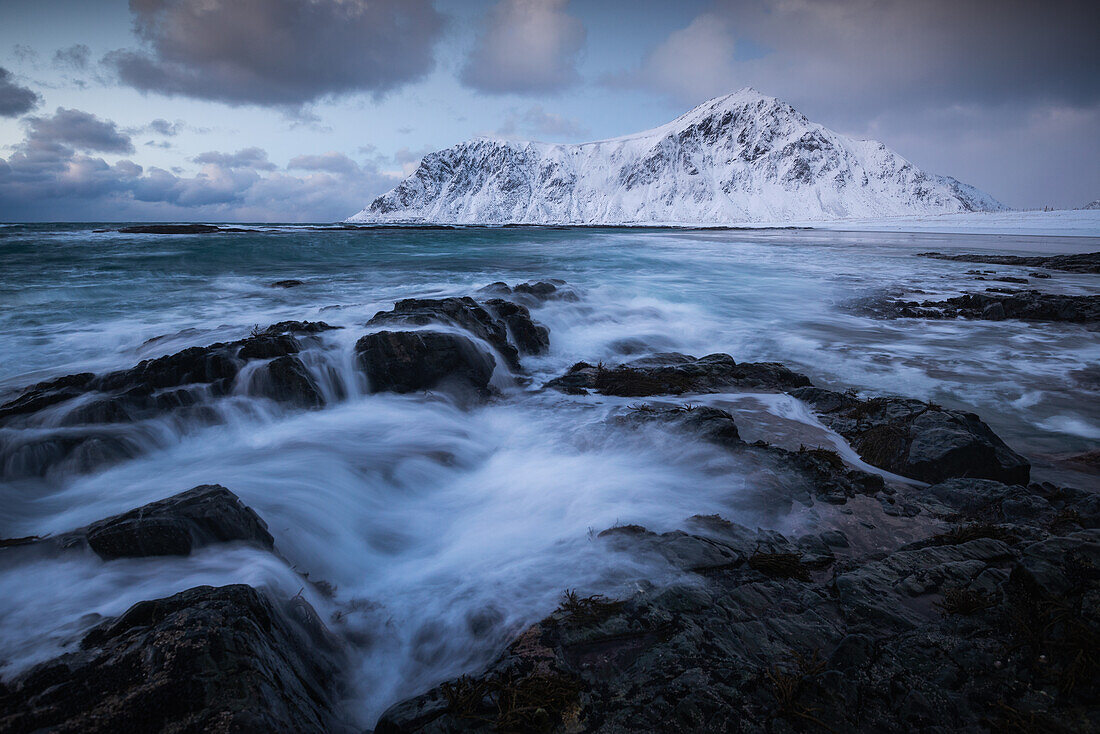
{"x": 916, "y": 439}
{"x": 206, "y": 659}
{"x": 675, "y": 374}
{"x": 175, "y": 526}
{"x": 407, "y": 361}
{"x": 800, "y": 475}
{"x": 529, "y": 336}
{"x": 532, "y": 293}
{"x": 1088, "y": 262}
{"x": 81, "y": 413}
{"x": 286, "y": 380}
{"x": 931, "y": 639}
{"x": 148, "y": 387}
{"x": 170, "y": 229}
{"x": 993, "y": 306}
{"x": 463, "y": 313}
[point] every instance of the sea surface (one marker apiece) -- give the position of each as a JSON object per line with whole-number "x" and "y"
{"x": 444, "y": 529}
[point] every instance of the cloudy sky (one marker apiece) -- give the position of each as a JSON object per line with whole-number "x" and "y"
{"x": 303, "y": 110}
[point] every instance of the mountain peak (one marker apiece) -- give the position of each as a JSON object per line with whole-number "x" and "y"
{"x": 741, "y": 157}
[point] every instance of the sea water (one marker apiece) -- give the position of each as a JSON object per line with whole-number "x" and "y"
{"x": 442, "y": 528}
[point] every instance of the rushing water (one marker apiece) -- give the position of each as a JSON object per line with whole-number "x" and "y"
{"x": 444, "y": 528}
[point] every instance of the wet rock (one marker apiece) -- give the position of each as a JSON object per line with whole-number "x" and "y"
{"x": 992, "y": 305}
{"x": 206, "y": 659}
{"x": 528, "y": 336}
{"x": 136, "y": 391}
{"x": 1084, "y": 263}
{"x": 286, "y": 380}
{"x": 407, "y": 361}
{"x": 918, "y": 440}
{"x": 69, "y": 419}
{"x": 175, "y": 526}
{"x": 34, "y": 455}
{"x": 799, "y": 475}
{"x": 532, "y": 293}
{"x": 289, "y": 283}
{"x": 44, "y": 394}
{"x": 463, "y": 313}
{"x": 170, "y": 229}
{"x": 967, "y": 637}
{"x": 269, "y": 346}
{"x": 675, "y": 374}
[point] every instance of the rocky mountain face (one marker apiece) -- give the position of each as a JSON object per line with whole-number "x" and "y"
{"x": 744, "y": 157}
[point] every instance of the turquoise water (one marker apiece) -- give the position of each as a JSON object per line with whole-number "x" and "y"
{"x": 443, "y": 529}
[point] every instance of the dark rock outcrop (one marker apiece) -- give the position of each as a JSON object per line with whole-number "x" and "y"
{"x": 801, "y": 475}
{"x": 464, "y": 313}
{"x": 772, "y": 634}
{"x": 407, "y": 361}
{"x": 207, "y": 659}
{"x": 533, "y": 293}
{"x": 82, "y": 411}
{"x": 1084, "y": 263}
{"x": 993, "y": 306}
{"x": 289, "y": 283}
{"x": 150, "y": 386}
{"x": 170, "y": 229}
{"x": 675, "y": 374}
{"x": 529, "y": 336}
{"x": 916, "y": 439}
{"x": 175, "y": 526}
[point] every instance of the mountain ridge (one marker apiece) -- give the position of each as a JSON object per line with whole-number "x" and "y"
{"x": 736, "y": 159}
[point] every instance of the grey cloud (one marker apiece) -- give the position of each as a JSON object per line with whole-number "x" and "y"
{"x": 74, "y": 57}
{"x": 14, "y": 99}
{"x": 45, "y": 180}
{"x": 897, "y": 54}
{"x": 278, "y": 52}
{"x": 331, "y": 162}
{"x": 163, "y": 127}
{"x": 79, "y": 130}
{"x": 526, "y": 47}
{"x": 253, "y": 158}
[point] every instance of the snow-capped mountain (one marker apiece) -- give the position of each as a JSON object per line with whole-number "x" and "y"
{"x": 744, "y": 157}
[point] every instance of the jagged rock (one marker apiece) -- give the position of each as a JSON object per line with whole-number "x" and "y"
{"x": 801, "y": 475}
{"x": 992, "y": 305}
{"x": 1084, "y": 263}
{"x": 407, "y": 361}
{"x": 133, "y": 389}
{"x": 916, "y": 439}
{"x": 529, "y": 336}
{"x": 675, "y": 374}
{"x": 533, "y": 293}
{"x": 175, "y": 526}
{"x": 286, "y": 380}
{"x": 928, "y": 639}
{"x": 206, "y": 659}
{"x": 464, "y": 313}
{"x": 85, "y": 406}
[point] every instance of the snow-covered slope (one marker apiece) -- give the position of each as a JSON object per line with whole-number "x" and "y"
{"x": 744, "y": 157}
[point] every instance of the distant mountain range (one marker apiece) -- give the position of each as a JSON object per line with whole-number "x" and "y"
{"x": 741, "y": 158}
